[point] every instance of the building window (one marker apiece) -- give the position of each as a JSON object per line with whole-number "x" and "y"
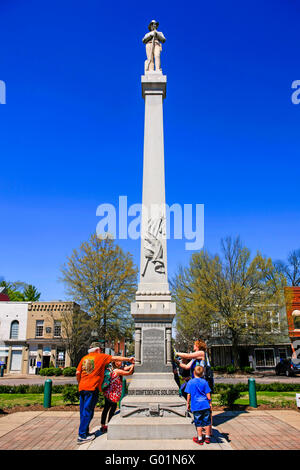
{"x": 264, "y": 357}
{"x": 14, "y": 330}
{"x": 39, "y": 328}
{"x": 275, "y": 322}
{"x": 57, "y": 328}
{"x": 60, "y": 357}
{"x": 32, "y": 361}
{"x": 297, "y": 322}
{"x": 217, "y": 329}
{"x": 282, "y": 353}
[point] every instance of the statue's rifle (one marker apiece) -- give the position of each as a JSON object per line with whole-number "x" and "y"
{"x": 152, "y": 51}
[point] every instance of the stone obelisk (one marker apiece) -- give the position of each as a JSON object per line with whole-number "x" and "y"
{"x": 153, "y": 408}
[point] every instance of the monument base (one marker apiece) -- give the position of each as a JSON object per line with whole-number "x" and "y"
{"x": 153, "y": 395}
{"x": 152, "y": 409}
{"x": 150, "y": 428}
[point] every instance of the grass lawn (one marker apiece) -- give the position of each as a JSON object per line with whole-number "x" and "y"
{"x": 8, "y": 400}
{"x": 263, "y": 398}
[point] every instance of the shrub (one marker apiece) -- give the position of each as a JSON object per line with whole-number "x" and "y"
{"x": 57, "y": 388}
{"x": 70, "y": 394}
{"x": 229, "y": 395}
{"x": 101, "y": 400}
{"x": 247, "y": 369}
{"x": 219, "y": 368}
{"x": 21, "y": 389}
{"x": 47, "y": 371}
{"x": 7, "y": 389}
{"x": 230, "y": 369}
{"x": 35, "y": 389}
{"x": 50, "y": 371}
{"x": 69, "y": 372}
{"x": 242, "y": 387}
{"x": 278, "y": 387}
{"x": 29, "y": 389}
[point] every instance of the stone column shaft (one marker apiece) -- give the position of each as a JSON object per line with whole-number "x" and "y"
{"x": 153, "y": 271}
{"x": 137, "y": 353}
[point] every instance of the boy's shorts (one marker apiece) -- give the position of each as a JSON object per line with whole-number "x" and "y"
{"x": 202, "y": 418}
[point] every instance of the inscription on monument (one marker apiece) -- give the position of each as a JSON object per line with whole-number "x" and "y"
{"x": 153, "y": 346}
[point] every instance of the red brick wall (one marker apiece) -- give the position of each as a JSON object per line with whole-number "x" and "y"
{"x": 292, "y": 300}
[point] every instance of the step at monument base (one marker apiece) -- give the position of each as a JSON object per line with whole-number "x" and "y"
{"x": 148, "y": 428}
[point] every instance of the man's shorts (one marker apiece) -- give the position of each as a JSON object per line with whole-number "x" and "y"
{"x": 202, "y": 418}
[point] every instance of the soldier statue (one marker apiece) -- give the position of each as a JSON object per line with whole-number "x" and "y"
{"x": 153, "y": 42}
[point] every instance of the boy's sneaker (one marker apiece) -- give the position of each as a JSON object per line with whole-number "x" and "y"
{"x": 207, "y": 440}
{"x": 195, "y": 439}
{"x": 83, "y": 440}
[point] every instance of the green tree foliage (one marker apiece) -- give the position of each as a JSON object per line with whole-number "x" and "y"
{"x": 31, "y": 294}
{"x": 76, "y": 333}
{"x": 240, "y": 295}
{"x": 20, "y": 291}
{"x": 103, "y": 280}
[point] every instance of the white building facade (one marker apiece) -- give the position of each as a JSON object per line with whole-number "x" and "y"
{"x": 13, "y": 327}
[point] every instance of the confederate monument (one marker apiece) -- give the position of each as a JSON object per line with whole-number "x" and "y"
{"x": 153, "y": 409}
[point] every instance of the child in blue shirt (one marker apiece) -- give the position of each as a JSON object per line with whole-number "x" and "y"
{"x": 199, "y": 402}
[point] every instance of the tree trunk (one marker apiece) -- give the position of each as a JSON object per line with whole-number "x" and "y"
{"x": 104, "y": 329}
{"x": 235, "y": 350}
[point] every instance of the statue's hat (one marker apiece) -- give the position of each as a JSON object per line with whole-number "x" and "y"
{"x": 153, "y": 22}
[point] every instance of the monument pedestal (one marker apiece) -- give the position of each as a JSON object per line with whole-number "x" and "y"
{"x": 153, "y": 408}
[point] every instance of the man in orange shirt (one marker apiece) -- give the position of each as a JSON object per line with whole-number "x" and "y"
{"x": 90, "y": 375}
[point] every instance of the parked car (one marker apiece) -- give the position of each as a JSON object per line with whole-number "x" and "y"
{"x": 287, "y": 367}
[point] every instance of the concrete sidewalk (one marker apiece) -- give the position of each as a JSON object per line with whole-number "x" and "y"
{"x": 218, "y": 442}
{"x": 23, "y": 379}
{"x": 57, "y": 430}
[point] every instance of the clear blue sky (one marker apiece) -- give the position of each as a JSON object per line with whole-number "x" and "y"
{"x": 71, "y": 134}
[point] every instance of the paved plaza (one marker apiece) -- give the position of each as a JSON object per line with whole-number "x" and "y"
{"x": 57, "y": 430}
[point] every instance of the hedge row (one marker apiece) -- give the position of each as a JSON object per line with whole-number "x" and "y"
{"x": 230, "y": 369}
{"x": 241, "y": 387}
{"x": 271, "y": 387}
{"x": 29, "y": 389}
{"x": 71, "y": 395}
{"x": 66, "y": 372}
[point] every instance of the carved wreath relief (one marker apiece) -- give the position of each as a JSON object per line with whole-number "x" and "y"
{"x": 153, "y": 249}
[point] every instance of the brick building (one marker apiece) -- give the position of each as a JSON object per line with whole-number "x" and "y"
{"x": 46, "y": 345}
{"x": 257, "y": 356}
{"x": 32, "y": 336}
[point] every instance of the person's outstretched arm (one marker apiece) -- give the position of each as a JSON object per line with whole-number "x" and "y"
{"x": 186, "y": 366}
{"x": 123, "y": 359}
{"x": 193, "y": 355}
{"x": 122, "y": 372}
